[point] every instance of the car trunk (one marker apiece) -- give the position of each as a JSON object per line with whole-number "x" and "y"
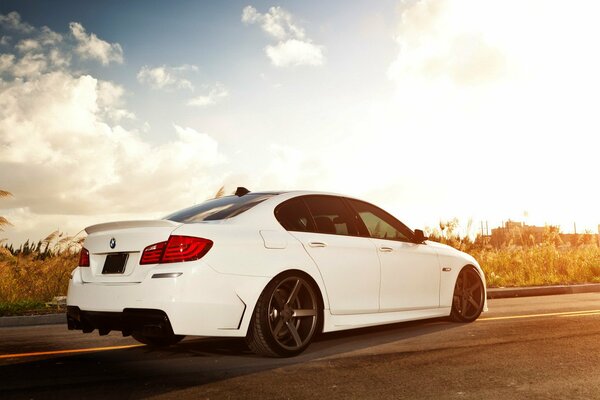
{"x": 116, "y": 248}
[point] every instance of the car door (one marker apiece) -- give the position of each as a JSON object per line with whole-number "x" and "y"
{"x": 410, "y": 272}
{"x": 349, "y": 264}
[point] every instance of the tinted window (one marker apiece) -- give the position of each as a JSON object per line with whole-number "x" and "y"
{"x": 331, "y": 215}
{"x": 379, "y": 223}
{"x": 293, "y": 215}
{"x": 216, "y": 209}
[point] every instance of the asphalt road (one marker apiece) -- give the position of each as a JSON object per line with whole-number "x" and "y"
{"x": 534, "y": 348}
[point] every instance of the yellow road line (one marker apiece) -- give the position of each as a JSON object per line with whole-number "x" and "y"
{"x": 580, "y": 315}
{"x": 55, "y": 352}
{"x": 559, "y": 314}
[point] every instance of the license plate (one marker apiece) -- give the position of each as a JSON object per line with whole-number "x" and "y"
{"x": 115, "y": 263}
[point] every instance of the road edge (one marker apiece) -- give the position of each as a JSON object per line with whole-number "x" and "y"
{"x": 492, "y": 293}
{"x": 503, "y": 293}
{"x": 32, "y": 320}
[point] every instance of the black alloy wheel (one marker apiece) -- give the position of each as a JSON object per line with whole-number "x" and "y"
{"x": 288, "y": 314}
{"x": 469, "y": 296}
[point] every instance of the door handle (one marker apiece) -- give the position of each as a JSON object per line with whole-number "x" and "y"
{"x": 317, "y": 244}
{"x": 386, "y": 249}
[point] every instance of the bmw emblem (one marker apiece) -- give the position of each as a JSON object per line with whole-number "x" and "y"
{"x": 112, "y": 243}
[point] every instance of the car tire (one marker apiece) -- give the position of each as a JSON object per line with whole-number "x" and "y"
{"x": 157, "y": 341}
{"x": 287, "y": 316}
{"x": 468, "y": 298}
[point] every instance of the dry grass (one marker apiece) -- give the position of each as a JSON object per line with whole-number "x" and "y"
{"x": 27, "y": 278}
{"x": 533, "y": 264}
{"x": 35, "y": 273}
{"x": 4, "y": 221}
{"x": 540, "y": 265}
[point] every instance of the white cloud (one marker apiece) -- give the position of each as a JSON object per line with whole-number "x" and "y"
{"x": 6, "y": 62}
{"x": 30, "y": 65}
{"x": 37, "y": 57}
{"x": 217, "y": 93}
{"x": 26, "y": 45}
{"x": 58, "y": 58}
{"x": 12, "y": 21}
{"x": 110, "y": 102}
{"x": 90, "y": 165}
{"x": 165, "y": 77}
{"x": 250, "y": 15}
{"x": 277, "y": 22}
{"x": 294, "y": 52}
{"x": 49, "y": 37}
{"x": 92, "y": 47}
{"x": 445, "y": 40}
{"x": 63, "y": 152}
{"x": 293, "y": 47}
{"x": 43, "y": 50}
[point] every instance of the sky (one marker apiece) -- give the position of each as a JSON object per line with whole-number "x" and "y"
{"x": 432, "y": 109}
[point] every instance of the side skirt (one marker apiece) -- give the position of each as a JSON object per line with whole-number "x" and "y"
{"x": 333, "y": 323}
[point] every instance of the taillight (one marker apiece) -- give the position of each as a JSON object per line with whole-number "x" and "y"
{"x": 185, "y": 248}
{"x": 84, "y": 257}
{"x": 176, "y": 249}
{"x": 153, "y": 253}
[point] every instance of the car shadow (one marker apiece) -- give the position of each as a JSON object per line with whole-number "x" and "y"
{"x": 145, "y": 371}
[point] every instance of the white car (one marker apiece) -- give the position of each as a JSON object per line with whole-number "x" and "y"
{"x": 274, "y": 267}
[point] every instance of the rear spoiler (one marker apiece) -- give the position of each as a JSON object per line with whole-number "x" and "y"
{"x": 131, "y": 224}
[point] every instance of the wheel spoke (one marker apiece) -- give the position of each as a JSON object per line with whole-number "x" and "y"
{"x": 474, "y": 303}
{"x": 473, "y": 288}
{"x": 463, "y": 306}
{"x": 294, "y": 293}
{"x": 278, "y": 327}
{"x": 304, "y": 313}
{"x": 279, "y": 299}
{"x": 292, "y": 328}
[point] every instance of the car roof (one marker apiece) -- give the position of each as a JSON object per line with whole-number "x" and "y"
{"x": 294, "y": 193}
{"x": 263, "y": 211}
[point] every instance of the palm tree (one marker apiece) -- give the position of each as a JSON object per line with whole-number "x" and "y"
{"x": 4, "y": 221}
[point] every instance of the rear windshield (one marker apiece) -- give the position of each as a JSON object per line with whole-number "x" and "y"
{"x": 217, "y": 209}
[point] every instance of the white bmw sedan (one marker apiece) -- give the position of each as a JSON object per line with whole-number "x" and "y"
{"x": 274, "y": 267}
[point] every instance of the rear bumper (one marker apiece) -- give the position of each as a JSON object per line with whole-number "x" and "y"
{"x": 198, "y": 302}
{"x": 153, "y": 323}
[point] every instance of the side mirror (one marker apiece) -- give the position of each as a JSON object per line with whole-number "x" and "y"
{"x": 420, "y": 236}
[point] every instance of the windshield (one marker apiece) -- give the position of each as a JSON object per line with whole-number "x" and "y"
{"x": 218, "y": 209}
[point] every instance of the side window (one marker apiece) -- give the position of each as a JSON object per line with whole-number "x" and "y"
{"x": 379, "y": 223}
{"x": 294, "y": 216}
{"x": 331, "y": 215}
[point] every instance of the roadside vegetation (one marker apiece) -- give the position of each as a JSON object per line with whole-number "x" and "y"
{"x": 522, "y": 261}
{"x": 32, "y": 275}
